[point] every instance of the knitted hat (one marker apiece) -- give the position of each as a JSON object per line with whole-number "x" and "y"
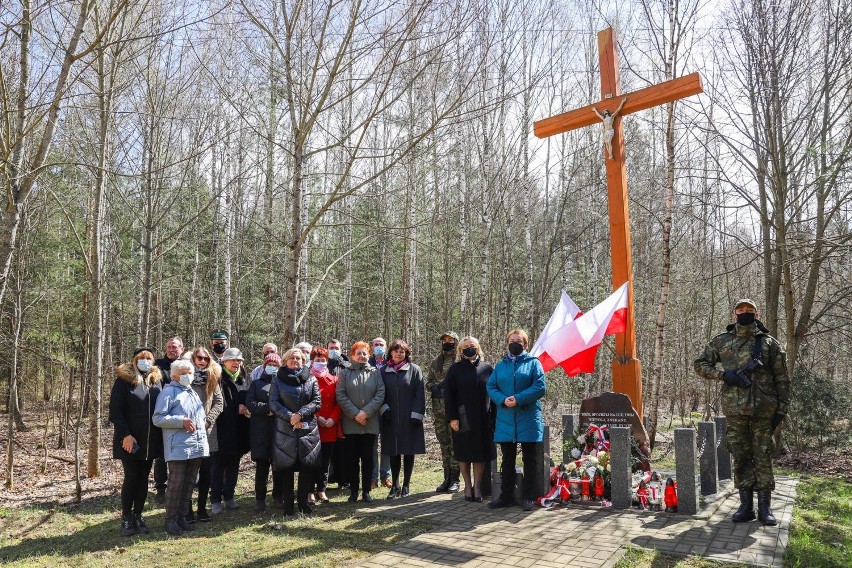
{"x": 272, "y": 359}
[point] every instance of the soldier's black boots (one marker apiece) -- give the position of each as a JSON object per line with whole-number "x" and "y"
{"x": 746, "y": 511}
{"x": 764, "y": 513}
{"x": 454, "y": 481}
{"x": 446, "y": 483}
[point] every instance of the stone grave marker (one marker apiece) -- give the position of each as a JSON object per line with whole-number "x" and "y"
{"x": 615, "y": 409}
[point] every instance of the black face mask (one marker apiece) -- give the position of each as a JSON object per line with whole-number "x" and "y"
{"x": 746, "y": 318}
{"x": 516, "y": 348}
{"x": 469, "y": 352}
{"x": 219, "y": 348}
{"x": 449, "y": 346}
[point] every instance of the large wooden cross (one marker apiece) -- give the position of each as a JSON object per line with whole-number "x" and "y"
{"x": 626, "y": 369}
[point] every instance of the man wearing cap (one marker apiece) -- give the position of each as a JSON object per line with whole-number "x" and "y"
{"x": 435, "y": 386}
{"x": 232, "y": 432}
{"x": 174, "y": 349}
{"x": 755, "y": 396}
{"x": 218, "y": 344}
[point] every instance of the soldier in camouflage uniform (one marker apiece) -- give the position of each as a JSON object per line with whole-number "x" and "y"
{"x": 754, "y": 399}
{"x": 435, "y": 385}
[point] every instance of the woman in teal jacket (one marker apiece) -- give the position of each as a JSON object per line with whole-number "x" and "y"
{"x": 516, "y": 386}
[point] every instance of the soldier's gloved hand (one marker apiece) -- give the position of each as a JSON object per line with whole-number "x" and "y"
{"x": 776, "y": 421}
{"x": 735, "y": 379}
{"x": 436, "y": 390}
{"x": 386, "y": 417}
{"x": 416, "y": 422}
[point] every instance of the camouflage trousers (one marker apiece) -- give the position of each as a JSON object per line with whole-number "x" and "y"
{"x": 442, "y": 432}
{"x": 750, "y": 442}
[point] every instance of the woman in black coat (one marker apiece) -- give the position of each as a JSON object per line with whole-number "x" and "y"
{"x": 469, "y": 414}
{"x": 136, "y": 441}
{"x": 262, "y": 430}
{"x": 402, "y": 414}
{"x": 294, "y": 398}
{"x": 232, "y": 432}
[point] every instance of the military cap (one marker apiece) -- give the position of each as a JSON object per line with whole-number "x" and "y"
{"x": 219, "y": 334}
{"x": 452, "y": 334}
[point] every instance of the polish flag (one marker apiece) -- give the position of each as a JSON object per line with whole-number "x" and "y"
{"x": 566, "y": 312}
{"x": 574, "y": 345}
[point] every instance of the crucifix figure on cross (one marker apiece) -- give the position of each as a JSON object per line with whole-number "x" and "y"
{"x": 608, "y": 120}
{"x": 626, "y": 370}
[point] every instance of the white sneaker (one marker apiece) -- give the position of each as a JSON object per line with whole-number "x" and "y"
{"x": 231, "y": 504}
{"x": 216, "y": 508}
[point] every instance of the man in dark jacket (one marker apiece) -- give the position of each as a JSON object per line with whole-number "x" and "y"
{"x": 754, "y": 399}
{"x": 336, "y": 356}
{"x": 174, "y": 349}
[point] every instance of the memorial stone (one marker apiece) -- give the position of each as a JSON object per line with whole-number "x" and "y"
{"x": 709, "y": 468}
{"x": 569, "y": 425}
{"x": 620, "y": 476}
{"x": 723, "y": 456}
{"x": 615, "y": 409}
{"x": 685, "y": 460}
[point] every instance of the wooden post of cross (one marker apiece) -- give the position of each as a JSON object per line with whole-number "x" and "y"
{"x": 626, "y": 369}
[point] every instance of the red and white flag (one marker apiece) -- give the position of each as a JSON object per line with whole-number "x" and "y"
{"x": 574, "y": 344}
{"x": 566, "y": 312}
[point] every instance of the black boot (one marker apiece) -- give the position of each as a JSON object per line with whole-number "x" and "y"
{"x": 128, "y": 526}
{"x": 746, "y": 511}
{"x": 446, "y": 483}
{"x": 764, "y": 513}
{"x": 141, "y": 525}
{"x": 454, "y": 481}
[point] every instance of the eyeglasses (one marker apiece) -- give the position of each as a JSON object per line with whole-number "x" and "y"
{"x": 199, "y": 358}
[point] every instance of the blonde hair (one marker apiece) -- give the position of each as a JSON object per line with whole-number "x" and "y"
{"x": 289, "y": 353}
{"x": 214, "y": 370}
{"x": 524, "y": 337}
{"x": 476, "y": 344}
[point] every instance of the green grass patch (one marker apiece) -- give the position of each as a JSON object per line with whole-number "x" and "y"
{"x": 88, "y": 534}
{"x": 821, "y": 533}
{"x": 641, "y": 558}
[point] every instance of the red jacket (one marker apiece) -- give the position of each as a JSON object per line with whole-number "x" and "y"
{"x": 329, "y": 408}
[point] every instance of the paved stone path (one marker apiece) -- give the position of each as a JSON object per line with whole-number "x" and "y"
{"x": 471, "y": 535}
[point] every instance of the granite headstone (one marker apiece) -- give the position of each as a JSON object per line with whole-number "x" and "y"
{"x": 613, "y": 409}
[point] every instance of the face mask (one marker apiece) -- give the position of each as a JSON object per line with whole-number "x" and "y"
{"x": 270, "y": 370}
{"x": 185, "y": 380}
{"x": 379, "y": 351}
{"x": 469, "y": 352}
{"x": 334, "y": 354}
{"x": 449, "y": 346}
{"x": 516, "y": 348}
{"x": 219, "y": 348}
{"x": 143, "y": 365}
{"x": 746, "y": 318}
{"x": 307, "y": 362}
{"x": 320, "y": 366}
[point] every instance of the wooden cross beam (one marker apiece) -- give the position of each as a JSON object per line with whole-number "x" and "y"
{"x": 626, "y": 368}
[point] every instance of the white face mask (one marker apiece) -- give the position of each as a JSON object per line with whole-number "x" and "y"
{"x": 334, "y": 354}
{"x": 144, "y": 365}
{"x": 271, "y": 370}
{"x": 185, "y": 380}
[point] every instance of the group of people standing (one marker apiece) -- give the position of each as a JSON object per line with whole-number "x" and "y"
{"x": 192, "y": 415}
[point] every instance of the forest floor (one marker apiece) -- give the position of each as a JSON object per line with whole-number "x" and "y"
{"x": 41, "y": 525}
